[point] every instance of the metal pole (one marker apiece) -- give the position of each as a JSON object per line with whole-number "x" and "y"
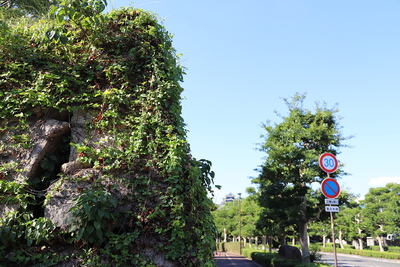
{"x": 333, "y": 237}
{"x": 240, "y": 229}
{"x": 333, "y": 233}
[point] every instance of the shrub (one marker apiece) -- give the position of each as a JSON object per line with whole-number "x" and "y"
{"x": 263, "y": 258}
{"x": 232, "y": 247}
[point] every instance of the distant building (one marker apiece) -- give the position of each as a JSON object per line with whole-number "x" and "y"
{"x": 228, "y": 198}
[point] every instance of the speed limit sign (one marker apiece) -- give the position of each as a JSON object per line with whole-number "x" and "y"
{"x": 328, "y": 162}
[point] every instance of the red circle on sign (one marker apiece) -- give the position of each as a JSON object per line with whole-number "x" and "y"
{"x": 330, "y": 188}
{"x": 328, "y": 162}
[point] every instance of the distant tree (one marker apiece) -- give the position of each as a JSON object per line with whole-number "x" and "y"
{"x": 226, "y": 218}
{"x": 250, "y": 214}
{"x": 321, "y": 229}
{"x": 293, "y": 148}
{"x": 381, "y": 207}
{"x": 343, "y": 220}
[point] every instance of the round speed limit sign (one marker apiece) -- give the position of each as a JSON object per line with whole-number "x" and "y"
{"x": 328, "y": 162}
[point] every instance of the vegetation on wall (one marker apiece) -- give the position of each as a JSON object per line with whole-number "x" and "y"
{"x": 121, "y": 66}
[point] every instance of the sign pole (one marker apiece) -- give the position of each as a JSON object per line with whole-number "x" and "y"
{"x": 333, "y": 239}
{"x": 330, "y": 188}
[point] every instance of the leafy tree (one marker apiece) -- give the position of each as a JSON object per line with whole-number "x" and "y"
{"x": 226, "y": 218}
{"x": 293, "y": 148}
{"x": 381, "y": 207}
{"x": 321, "y": 229}
{"x": 250, "y": 214}
{"x": 322, "y": 226}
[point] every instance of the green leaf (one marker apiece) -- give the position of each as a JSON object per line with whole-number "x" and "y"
{"x": 63, "y": 39}
{"x": 100, "y": 213}
{"x": 99, "y": 234}
{"x": 114, "y": 202}
{"x": 97, "y": 225}
{"x": 89, "y": 230}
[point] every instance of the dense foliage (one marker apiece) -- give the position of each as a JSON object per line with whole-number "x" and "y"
{"x": 120, "y": 66}
{"x": 353, "y": 224}
{"x": 226, "y": 218}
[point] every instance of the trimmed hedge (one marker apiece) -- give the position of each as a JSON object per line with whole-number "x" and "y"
{"x": 365, "y": 253}
{"x": 271, "y": 259}
{"x": 231, "y": 247}
{"x": 263, "y": 258}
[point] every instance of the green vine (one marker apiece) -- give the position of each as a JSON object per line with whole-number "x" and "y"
{"x": 92, "y": 214}
{"x": 121, "y": 68}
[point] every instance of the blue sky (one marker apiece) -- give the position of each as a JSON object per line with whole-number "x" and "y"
{"x": 243, "y": 57}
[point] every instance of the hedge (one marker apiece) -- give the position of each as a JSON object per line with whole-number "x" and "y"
{"x": 263, "y": 258}
{"x": 364, "y": 253}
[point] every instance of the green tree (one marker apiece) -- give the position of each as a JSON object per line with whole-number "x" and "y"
{"x": 347, "y": 202}
{"x": 322, "y": 226}
{"x": 293, "y": 148}
{"x": 250, "y": 214}
{"x": 381, "y": 207}
{"x": 320, "y": 229}
{"x": 226, "y": 218}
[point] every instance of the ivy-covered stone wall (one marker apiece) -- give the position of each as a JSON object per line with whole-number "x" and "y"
{"x": 95, "y": 168}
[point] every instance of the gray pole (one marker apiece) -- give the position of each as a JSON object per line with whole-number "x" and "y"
{"x": 240, "y": 229}
{"x": 333, "y": 237}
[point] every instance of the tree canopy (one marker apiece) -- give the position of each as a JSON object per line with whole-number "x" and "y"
{"x": 292, "y": 149}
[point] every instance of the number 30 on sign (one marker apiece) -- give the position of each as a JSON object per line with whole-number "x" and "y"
{"x": 328, "y": 162}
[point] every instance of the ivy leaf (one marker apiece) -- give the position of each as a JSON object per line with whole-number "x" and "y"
{"x": 89, "y": 230}
{"x": 63, "y": 39}
{"x": 99, "y": 234}
{"x": 101, "y": 213}
{"x": 97, "y": 225}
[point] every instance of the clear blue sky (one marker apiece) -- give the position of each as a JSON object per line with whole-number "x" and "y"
{"x": 242, "y": 57}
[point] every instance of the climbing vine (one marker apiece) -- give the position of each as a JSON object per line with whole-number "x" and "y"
{"x": 121, "y": 68}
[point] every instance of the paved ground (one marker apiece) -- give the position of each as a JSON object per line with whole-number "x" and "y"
{"x": 225, "y": 259}
{"x": 345, "y": 260}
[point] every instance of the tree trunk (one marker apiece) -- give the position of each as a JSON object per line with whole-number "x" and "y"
{"x": 356, "y": 244}
{"x": 282, "y": 238}
{"x": 225, "y": 235}
{"x": 304, "y": 241}
{"x": 360, "y": 242}
{"x": 380, "y": 242}
{"x": 270, "y": 244}
{"x": 303, "y": 225}
{"x": 324, "y": 240}
{"x": 264, "y": 242}
{"x": 341, "y": 239}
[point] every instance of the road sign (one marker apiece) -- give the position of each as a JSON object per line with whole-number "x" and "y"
{"x": 331, "y": 201}
{"x": 332, "y": 208}
{"x": 328, "y": 162}
{"x": 330, "y": 188}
